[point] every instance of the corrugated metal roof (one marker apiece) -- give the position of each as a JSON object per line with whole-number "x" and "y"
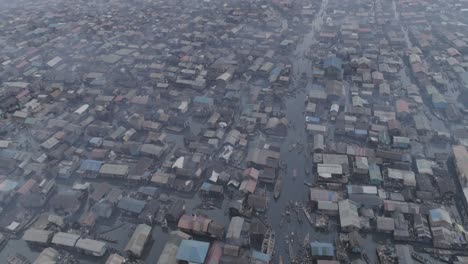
{"x": 7, "y": 185}
{"x": 91, "y": 245}
{"x": 169, "y": 252}
{"x": 65, "y": 239}
{"x": 138, "y": 240}
{"x": 261, "y": 256}
{"x": 329, "y": 169}
{"x": 374, "y": 172}
{"x": 235, "y": 228}
{"x": 349, "y": 216}
{"x": 37, "y": 235}
{"x": 114, "y": 169}
{"x": 131, "y": 205}
{"x": 47, "y": 256}
{"x": 322, "y": 249}
{"x": 192, "y": 251}
{"x": 91, "y": 165}
{"x": 317, "y": 194}
{"x": 332, "y": 62}
{"x": 115, "y": 259}
{"x": 438, "y": 215}
{"x": 203, "y": 100}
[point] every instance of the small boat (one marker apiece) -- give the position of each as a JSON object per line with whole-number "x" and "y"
{"x": 280, "y": 261}
{"x": 307, "y": 214}
{"x": 294, "y": 174}
{"x": 300, "y": 150}
{"x": 278, "y": 185}
{"x": 306, "y": 240}
{"x": 268, "y": 244}
{"x": 282, "y": 164}
{"x": 164, "y": 224}
{"x": 207, "y": 206}
{"x": 307, "y": 171}
{"x": 308, "y": 184}
{"x": 296, "y": 207}
{"x": 291, "y": 252}
{"x": 366, "y": 258}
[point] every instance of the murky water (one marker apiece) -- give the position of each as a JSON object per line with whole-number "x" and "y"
{"x": 294, "y": 189}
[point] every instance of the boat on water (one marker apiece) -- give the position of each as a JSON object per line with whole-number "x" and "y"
{"x": 278, "y": 185}
{"x": 308, "y": 184}
{"x": 291, "y": 252}
{"x": 307, "y": 171}
{"x": 164, "y": 224}
{"x": 307, "y": 214}
{"x": 292, "y": 255}
{"x": 366, "y": 258}
{"x": 297, "y": 207}
{"x": 294, "y": 174}
{"x": 268, "y": 245}
{"x": 306, "y": 240}
{"x": 280, "y": 261}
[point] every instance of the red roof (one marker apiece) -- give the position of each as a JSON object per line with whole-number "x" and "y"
{"x": 194, "y": 223}
{"x": 27, "y": 186}
{"x": 251, "y": 172}
{"x": 402, "y": 106}
{"x": 215, "y": 253}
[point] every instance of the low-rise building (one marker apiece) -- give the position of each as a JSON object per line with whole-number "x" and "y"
{"x": 138, "y": 240}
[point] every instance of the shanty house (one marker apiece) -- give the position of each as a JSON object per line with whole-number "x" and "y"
{"x": 333, "y": 67}
{"x": 91, "y": 247}
{"x": 37, "y": 236}
{"x": 131, "y": 205}
{"x": 349, "y": 217}
{"x": 320, "y": 250}
{"x": 192, "y": 252}
{"x": 66, "y": 240}
{"x": 139, "y": 238}
{"x": 114, "y": 170}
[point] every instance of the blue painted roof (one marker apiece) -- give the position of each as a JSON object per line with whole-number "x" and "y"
{"x": 8, "y": 153}
{"x": 436, "y": 214}
{"x": 192, "y": 251}
{"x": 322, "y": 249}
{"x": 332, "y": 62}
{"x": 8, "y": 185}
{"x": 276, "y": 71}
{"x": 261, "y": 256}
{"x": 206, "y": 186}
{"x": 374, "y": 172}
{"x": 203, "y": 100}
{"x": 360, "y": 131}
{"x": 312, "y": 119}
{"x": 91, "y": 165}
{"x": 439, "y": 215}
